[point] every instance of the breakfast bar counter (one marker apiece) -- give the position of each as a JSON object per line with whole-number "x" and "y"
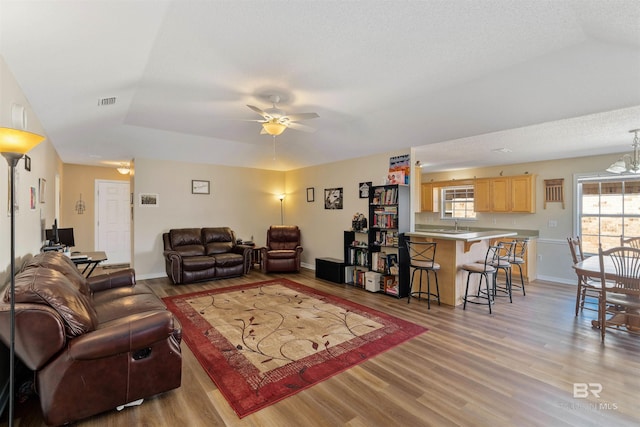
{"x": 456, "y": 248}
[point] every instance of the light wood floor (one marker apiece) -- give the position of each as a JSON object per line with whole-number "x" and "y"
{"x": 515, "y": 367}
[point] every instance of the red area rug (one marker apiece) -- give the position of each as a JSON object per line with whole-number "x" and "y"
{"x": 263, "y": 342}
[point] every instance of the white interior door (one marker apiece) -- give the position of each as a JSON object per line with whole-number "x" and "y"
{"x": 113, "y": 225}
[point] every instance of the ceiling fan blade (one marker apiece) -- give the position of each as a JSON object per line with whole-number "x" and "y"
{"x": 259, "y": 111}
{"x": 298, "y": 126}
{"x": 302, "y": 116}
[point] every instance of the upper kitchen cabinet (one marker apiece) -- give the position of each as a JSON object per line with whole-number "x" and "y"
{"x": 505, "y": 194}
{"x": 482, "y": 195}
{"x": 429, "y": 199}
{"x": 523, "y": 193}
{"x": 501, "y": 194}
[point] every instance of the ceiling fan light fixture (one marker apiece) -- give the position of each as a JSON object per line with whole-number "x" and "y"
{"x": 273, "y": 127}
{"x": 123, "y": 169}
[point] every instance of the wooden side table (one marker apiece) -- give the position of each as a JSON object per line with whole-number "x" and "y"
{"x": 256, "y": 253}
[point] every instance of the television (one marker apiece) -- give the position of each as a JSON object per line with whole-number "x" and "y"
{"x": 62, "y": 236}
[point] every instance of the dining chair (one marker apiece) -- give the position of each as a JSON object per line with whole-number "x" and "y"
{"x": 422, "y": 257}
{"x": 587, "y": 287}
{"x": 633, "y": 242}
{"x": 620, "y": 285}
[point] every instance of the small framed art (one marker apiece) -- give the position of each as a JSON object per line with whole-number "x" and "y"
{"x": 42, "y": 184}
{"x": 363, "y": 189}
{"x": 149, "y": 200}
{"x": 311, "y": 194}
{"x": 333, "y": 198}
{"x": 199, "y": 186}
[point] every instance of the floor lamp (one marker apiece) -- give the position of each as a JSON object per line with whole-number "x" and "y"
{"x": 281, "y": 197}
{"x": 14, "y": 144}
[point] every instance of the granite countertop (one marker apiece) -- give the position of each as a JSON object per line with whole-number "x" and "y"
{"x": 463, "y": 235}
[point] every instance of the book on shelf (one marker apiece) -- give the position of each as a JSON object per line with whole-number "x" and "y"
{"x": 396, "y": 177}
{"x": 386, "y": 238}
{"x": 385, "y": 217}
{"x": 348, "y": 273}
{"x": 385, "y": 196}
{"x": 358, "y": 256}
{"x": 379, "y": 262}
{"x": 390, "y": 285}
{"x": 392, "y": 264}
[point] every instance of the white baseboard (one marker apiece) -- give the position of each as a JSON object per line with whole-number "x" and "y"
{"x": 556, "y": 279}
{"x": 150, "y": 276}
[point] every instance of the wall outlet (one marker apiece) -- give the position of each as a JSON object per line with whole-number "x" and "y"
{"x": 539, "y": 257}
{"x": 552, "y": 223}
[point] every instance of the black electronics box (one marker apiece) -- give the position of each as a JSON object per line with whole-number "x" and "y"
{"x": 330, "y": 269}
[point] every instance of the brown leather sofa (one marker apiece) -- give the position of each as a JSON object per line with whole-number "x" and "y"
{"x": 94, "y": 344}
{"x": 282, "y": 252}
{"x": 196, "y": 254}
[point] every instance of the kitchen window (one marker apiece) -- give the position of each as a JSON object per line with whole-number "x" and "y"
{"x": 609, "y": 208}
{"x": 457, "y": 202}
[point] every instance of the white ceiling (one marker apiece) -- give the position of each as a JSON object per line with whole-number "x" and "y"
{"x": 458, "y": 78}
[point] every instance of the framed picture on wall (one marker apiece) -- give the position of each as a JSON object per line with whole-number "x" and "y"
{"x": 42, "y": 184}
{"x": 199, "y": 186}
{"x": 32, "y": 198}
{"x": 333, "y": 198}
{"x": 149, "y": 200}
{"x": 364, "y": 188}
{"x": 311, "y": 194}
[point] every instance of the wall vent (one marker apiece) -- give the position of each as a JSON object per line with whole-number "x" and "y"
{"x": 106, "y": 101}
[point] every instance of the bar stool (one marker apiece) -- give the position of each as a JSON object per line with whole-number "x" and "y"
{"x": 483, "y": 269}
{"x": 516, "y": 257}
{"x": 505, "y": 251}
{"x": 422, "y": 257}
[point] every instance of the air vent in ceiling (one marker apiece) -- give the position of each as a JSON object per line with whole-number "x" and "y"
{"x": 102, "y": 102}
{"x": 502, "y": 150}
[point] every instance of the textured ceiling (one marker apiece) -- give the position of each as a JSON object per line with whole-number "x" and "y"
{"x": 546, "y": 79}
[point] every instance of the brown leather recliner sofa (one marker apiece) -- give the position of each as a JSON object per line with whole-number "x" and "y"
{"x": 283, "y": 250}
{"x": 94, "y": 344}
{"x": 196, "y": 254}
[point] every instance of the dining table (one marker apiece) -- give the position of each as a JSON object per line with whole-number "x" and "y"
{"x": 590, "y": 267}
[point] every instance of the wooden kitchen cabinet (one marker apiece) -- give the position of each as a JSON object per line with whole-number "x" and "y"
{"x": 429, "y": 200}
{"x": 505, "y": 194}
{"x": 482, "y": 195}
{"x": 523, "y": 193}
{"x": 500, "y": 194}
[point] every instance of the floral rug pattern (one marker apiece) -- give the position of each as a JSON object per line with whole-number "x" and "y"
{"x": 263, "y": 342}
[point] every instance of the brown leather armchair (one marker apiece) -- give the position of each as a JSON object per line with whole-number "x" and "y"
{"x": 93, "y": 344}
{"x": 282, "y": 253}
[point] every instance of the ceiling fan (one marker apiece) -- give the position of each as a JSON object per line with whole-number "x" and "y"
{"x": 275, "y": 121}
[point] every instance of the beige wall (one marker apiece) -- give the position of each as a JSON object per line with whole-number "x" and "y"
{"x": 554, "y": 262}
{"x": 322, "y": 229}
{"x": 244, "y": 199}
{"x": 45, "y": 163}
{"x": 81, "y": 180}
